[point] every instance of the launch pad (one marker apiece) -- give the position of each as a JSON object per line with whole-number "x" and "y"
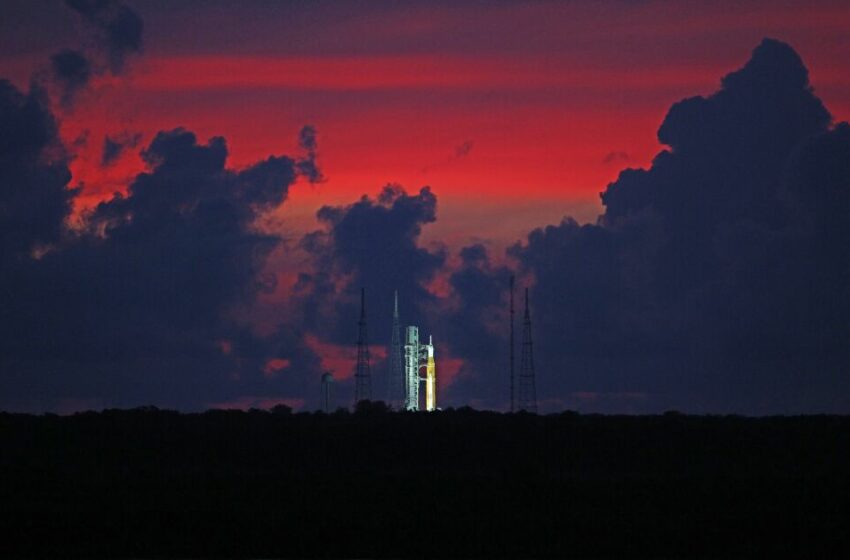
{"x": 406, "y": 360}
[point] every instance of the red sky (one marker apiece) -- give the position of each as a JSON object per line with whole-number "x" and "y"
{"x": 515, "y": 114}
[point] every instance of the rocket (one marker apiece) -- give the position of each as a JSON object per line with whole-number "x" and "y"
{"x": 430, "y": 377}
{"x": 417, "y": 356}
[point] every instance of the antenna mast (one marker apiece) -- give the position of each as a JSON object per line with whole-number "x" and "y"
{"x": 527, "y": 389}
{"x": 327, "y": 381}
{"x": 396, "y": 386}
{"x": 363, "y": 374}
{"x": 512, "y": 344}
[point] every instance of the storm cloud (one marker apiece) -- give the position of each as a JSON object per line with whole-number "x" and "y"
{"x": 34, "y": 200}
{"x": 715, "y": 280}
{"x": 472, "y": 326}
{"x": 140, "y": 304}
{"x": 373, "y": 243}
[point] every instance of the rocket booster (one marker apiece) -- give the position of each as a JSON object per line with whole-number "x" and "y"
{"x": 430, "y": 378}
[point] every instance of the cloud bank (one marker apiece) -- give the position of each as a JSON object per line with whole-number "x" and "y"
{"x": 139, "y": 305}
{"x": 716, "y": 280}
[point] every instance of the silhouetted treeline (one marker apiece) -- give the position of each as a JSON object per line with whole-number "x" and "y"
{"x": 451, "y": 483}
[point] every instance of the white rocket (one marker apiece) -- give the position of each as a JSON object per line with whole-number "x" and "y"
{"x": 417, "y": 356}
{"x": 430, "y": 377}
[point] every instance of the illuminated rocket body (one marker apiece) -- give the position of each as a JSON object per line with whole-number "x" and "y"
{"x": 417, "y": 356}
{"x": 430, "y": 377}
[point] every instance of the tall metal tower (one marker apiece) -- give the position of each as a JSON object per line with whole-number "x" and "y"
{"x": 396, "y": 386}
{"x": 363, "y": 374}
{"x": 417, "y": 356}
{"x": 527, "y": 390}
{"x": 512, "y": 345}
{"x": 412, "y": 350}
{"x": 327, "y": 380}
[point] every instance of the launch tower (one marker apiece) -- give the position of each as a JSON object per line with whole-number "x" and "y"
{"x": 416, "y": 357}
{"x": 411, "y": 367}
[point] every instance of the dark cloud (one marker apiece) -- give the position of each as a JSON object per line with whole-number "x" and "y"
{"x": 307, "y": 166}
{"x": 116, "y": 33}
{"x": 34, "y": 200}
{"x": 117, "y": 29}
{"x": 142, "y": 304}
{"x": 72, "y": 71}
{"x": 473, "y": 325}
{"x": 373, "y": 243}
{"x": 716, "y": 279}
{"x": 113, "y": 147}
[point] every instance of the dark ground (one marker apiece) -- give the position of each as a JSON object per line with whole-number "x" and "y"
{"x": 454, "y": 483}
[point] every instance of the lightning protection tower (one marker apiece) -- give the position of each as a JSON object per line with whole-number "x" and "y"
{"x": 513, "y": 399}
{"x": 327, "y": 381}
{"x": 527, "y": 390}
{"x": 396, "y": 391}
{"x": 363, "y": 373}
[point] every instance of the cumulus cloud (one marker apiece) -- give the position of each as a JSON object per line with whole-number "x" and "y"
{"x": 373, "y": 243}
{"x": 711, "y": 282}
{"x": 34, "y": 174}
{"x": 715, "y": 280}
{"x": 143, "y": 301}
{"x": 138, "y": 306}
{"x": 473, "y": 326}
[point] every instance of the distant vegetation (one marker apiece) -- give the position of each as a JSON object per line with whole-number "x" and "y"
{"x": 451, "y": 483}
